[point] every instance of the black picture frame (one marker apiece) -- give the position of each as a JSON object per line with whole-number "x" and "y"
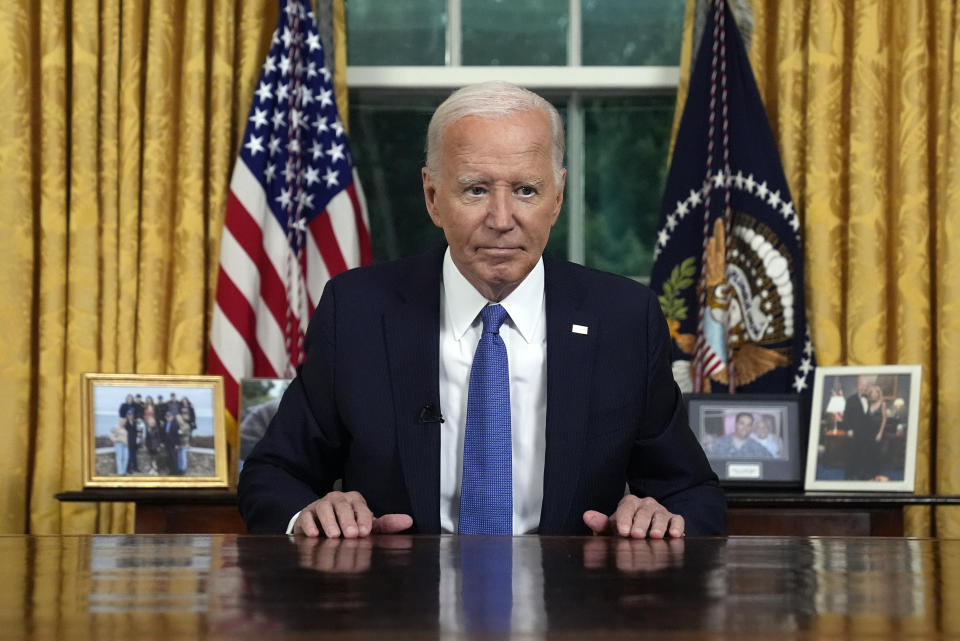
{"x": 774, "y": 461}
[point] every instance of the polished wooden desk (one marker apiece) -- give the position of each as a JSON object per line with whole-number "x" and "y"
{"x": 775, "y": 513}
{"x": 444, "y": 587}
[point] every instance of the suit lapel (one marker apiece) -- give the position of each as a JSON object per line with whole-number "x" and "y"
{"x": 570, "y": 362}
{"x": 411, "y": 333}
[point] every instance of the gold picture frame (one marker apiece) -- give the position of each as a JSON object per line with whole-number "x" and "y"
{"x": 153, "y": 431}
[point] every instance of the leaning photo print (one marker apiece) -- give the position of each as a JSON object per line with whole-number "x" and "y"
{"x": 153, "y": 431}
{"x": 259, "y": 400}
{"x": 863, "y": 428}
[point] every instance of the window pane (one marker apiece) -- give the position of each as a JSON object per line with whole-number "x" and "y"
{"x": 557, "y": 245}
{"x": 387, "y": 134}
{"x": 632, "y": 32}
{"x": 626, "y": 140}
{"x": 398, "y": 32}
{"x": 515, "y": 32}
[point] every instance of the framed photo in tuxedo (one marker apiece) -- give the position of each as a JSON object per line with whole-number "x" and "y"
{"x": 259, "y": 400}
{"x": 863, "y": 428}
{"x": 153, "y": 431}
{"x": 750, "y": 439}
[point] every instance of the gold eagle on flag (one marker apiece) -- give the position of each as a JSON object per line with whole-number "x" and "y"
{"x": 731, "y": 304}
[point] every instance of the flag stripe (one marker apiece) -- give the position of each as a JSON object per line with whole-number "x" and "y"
{"x": 317, "y": 274}
{"x": 238, "y": 310}
{"x": 360, "y": 200}
{"x": 237, "y": 360}
{"x": 270, "y": 236}
{"x": 343, "y": 222}
{"x": 270, "y": 345}
{"x": 231, "y": 387}
{"x": 271, "y": 286}
{"x": 360, "y": 214}
{"x": 237, "y": 266}
{"x": 248, "y": 191}
{"x": 327, "y": 244}
{"x": 244, "y": 229}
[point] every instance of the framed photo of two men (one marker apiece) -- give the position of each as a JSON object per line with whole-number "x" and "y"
{"x": 863, "y": 428}
{"x": 153, "y": 431}
{"x": 750, "y": 439}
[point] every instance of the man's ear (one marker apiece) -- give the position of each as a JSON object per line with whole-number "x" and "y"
{"x": 559, "y": 203}
{"x": 430, "y": 195}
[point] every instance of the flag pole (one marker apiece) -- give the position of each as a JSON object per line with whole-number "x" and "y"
{"x": 719, "y": 9}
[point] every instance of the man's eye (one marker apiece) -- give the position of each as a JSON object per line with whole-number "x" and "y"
{"x": 526, "y": 190}
{"x": 476, "y": 190}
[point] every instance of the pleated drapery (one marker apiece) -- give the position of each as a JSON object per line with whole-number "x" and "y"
{"x": 119, "y": 125}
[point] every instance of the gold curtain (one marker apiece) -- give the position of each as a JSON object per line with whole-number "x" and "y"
{"x": 119, "y": 125}
{"x": 864, "y": 100}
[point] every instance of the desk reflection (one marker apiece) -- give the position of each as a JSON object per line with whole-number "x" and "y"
{"x": 379, "y": 584}
{"x": 468, "y": 586}
{"x": 423, "y": 587}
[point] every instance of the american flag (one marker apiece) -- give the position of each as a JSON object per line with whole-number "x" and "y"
{"x": 295, "y": 217}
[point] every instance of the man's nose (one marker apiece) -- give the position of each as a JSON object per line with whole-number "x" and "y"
{"x": 500, "y": 211}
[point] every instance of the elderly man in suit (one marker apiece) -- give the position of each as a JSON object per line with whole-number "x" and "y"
{"x": 862, "y": 452}
{"x": 484, "y": 387}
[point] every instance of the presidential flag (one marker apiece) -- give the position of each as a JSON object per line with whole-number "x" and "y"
{"x": 295, "y": 217}
{"x": 728, "y": 261}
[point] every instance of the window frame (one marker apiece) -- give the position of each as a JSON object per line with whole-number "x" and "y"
{"x": 574, "y": 81}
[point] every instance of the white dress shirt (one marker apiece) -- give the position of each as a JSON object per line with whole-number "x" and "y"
{"x": 525, "y": 337}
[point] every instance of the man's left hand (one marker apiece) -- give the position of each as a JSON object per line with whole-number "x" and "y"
{"x": 636, "y": 518}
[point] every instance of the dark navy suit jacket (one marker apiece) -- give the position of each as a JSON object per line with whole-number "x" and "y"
{"x": 614, "y": 414}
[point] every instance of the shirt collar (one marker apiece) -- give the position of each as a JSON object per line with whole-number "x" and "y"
{"x": 463, "y": 302}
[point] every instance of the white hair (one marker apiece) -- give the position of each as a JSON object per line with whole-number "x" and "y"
{"x": 491, "y": 100}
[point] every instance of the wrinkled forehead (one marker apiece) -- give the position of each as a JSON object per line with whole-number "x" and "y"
{"x": 533, "y": 123}
{"x": 481, "y": 145}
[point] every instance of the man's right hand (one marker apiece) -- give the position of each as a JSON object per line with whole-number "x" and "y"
{"x": 346, "y": 514}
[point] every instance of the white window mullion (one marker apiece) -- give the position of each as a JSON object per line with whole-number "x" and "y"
{"x": 575, "y": 35}
{"x": 576, "y": 235}
{"x": 576, "y": 207}
{"x": 624, "y": 79}
{"x": 454, "y": 55}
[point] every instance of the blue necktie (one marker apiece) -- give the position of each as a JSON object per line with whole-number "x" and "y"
{"x": 486, "y": 493}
